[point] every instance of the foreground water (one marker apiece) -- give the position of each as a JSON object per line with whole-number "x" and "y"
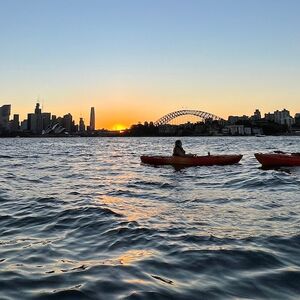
{"x": 83, "y": 219}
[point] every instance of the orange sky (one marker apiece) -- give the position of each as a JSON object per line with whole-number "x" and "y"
{"x": 130, "y": 109}
{"x": 127, "y": 104}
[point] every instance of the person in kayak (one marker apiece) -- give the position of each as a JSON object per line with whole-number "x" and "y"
{"x": 179, "y": 151}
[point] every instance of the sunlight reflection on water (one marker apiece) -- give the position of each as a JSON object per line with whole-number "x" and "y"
{"x": 83, "y": 218}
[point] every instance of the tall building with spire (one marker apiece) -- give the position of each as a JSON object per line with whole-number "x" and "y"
{"x": 35, "y": 120}
{"x": 81, "y": 125}
{"x": 92, "y": 119}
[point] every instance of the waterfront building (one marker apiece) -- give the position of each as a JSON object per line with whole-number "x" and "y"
{"x": 46, "y": 120}
{"x": 257, "y": 131}
{"x": 234, "y": 119}
{"x": 225, "y": 131}
{"x": 35, "y": 120}
{"x": 59, "y": 121}
{"x": 29, "y": 120}
{"x": 14, "y": 124}
{"x": 24, "y": 125}
{"x": 269, "y": 117}
{"x": 247, "y": 131}
{"x": 283, "y": 117}
{"x": 92, "y": 119}
{"x": 4, "y": 116}
{"x": 81, "y": 125}
{"x": 256, "y": 116}
{"x": 166, "y": 129}
{"x": 58, "y": 129}
{"x": 53, "y": 119}
{"x": 68, "y": 122}
{"x": 236, "y": 129}
{"x": 297, "y": 119}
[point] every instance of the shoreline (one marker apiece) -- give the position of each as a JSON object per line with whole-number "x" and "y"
{"x": 141, "y": 136}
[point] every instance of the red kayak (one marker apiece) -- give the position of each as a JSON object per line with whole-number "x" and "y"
{"x": 278, "y": 160}
{"x": 207, "y": 160}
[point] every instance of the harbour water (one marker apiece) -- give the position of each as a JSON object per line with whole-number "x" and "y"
{"x": 82, "y": 218}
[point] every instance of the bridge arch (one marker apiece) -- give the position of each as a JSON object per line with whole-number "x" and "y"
{"x": 198, "y": 113}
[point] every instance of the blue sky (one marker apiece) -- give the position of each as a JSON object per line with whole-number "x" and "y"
{"x": 150, "y": 57}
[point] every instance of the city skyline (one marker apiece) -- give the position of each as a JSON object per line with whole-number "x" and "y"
{"x": 86, "y": 115}
{"x": 136, "y": 61}
{"x": 46, "y": 124}
{"x": 40, "y": 121}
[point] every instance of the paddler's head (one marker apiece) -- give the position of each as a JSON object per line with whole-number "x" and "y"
{"x": 178, "y": 143}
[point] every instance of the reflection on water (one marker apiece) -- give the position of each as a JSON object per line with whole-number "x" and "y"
{"x": 84, "y": 219}
{"x": 133, "y": 209}
{"x": 132, "y": 256}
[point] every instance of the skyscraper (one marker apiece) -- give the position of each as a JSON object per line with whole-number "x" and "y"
{"x": 81, "y": 125}
{"x": 37, "y": 110}
{"x": 92, "y": 119}
{"x": 4, "y": 116}
{"x": 68, "y": 122}
{"x": 14, "y": 125}
{"x": 46, "y": 120}
{"x": 35, "y": 120}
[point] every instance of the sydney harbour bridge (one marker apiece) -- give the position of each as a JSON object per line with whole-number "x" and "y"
{"x": 187, "y": 113}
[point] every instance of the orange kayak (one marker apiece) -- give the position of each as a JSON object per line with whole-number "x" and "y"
{"x": 207, "y": 160}
{"x": 278, "y": 160}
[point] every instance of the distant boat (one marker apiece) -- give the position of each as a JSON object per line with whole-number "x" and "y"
{"x": 260, "y": 135}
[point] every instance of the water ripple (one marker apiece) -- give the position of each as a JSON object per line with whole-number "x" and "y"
{"x": 84, "y": 219}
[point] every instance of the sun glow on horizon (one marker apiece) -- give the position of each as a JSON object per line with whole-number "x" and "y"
{"x": 119, "y": 127}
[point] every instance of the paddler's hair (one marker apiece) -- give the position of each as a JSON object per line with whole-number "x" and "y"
{"x": 178, "y": 143}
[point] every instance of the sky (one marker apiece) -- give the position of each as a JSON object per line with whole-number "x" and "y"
{"x": 137, "y": 60}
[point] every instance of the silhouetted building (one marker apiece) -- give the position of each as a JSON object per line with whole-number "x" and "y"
{"x": 35, "y": 120}
{"x": 236, "y": 129}
{"x": 35, "y": 123}
{"x": 92, "y": 119}
{"x": 234, "y": 119}
{"x": 269, "y": 117}
{"x": 37, "y": 110}
{"x": 68, "y": 122}
{"x": 81, "y": 125}
{"x": 60, "y": 121}
{"x": 53, "y": 119}
{"x": 14, "y": 124}
{"x": 4, "y": 116}
{"x": 283, "y": 117}
{"x": 256, "y": 116}
{"x": 24, "y": 125}
{"x": 297, "y": 119}
{"x": 29, "y": 121}
{"x": 46, "y": 120}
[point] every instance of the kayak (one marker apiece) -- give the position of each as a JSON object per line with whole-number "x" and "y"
{"x": 278, "y": 160}
{"x": 207, "y": 160}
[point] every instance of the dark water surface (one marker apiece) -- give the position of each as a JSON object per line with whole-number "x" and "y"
{"x": 83, "y": 219}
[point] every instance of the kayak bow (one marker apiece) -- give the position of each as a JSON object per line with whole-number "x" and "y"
{"x": 278, "y": 160}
